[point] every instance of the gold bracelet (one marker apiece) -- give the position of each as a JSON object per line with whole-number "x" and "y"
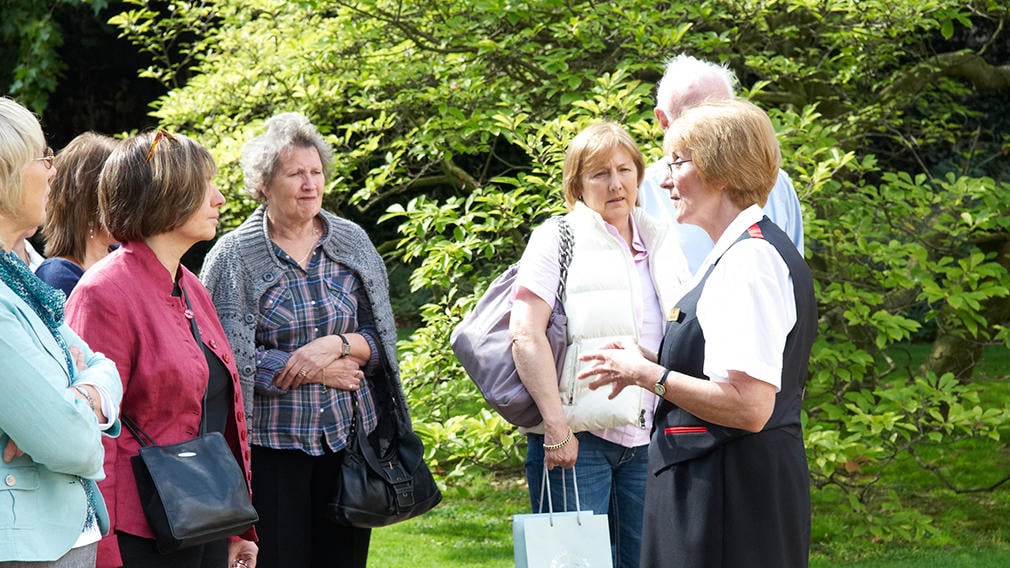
{"x": 559, "y": 445}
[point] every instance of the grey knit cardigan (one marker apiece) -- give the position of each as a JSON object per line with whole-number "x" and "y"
{"x": 242, "y": 266}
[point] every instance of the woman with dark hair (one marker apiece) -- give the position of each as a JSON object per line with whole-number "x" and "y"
{"x": 157, "y": 198}
{"x": 75, "y": 238}
{"x": 57, "y": 396}
{"x": 304, "y": 298}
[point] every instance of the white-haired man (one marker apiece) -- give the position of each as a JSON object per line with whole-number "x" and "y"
{"x": 688, "y": 82}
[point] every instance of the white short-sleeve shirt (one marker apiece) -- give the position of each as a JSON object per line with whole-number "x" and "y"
{"x": 747, "y": 307}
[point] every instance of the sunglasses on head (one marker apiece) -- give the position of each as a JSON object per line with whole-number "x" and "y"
{"x": 158, "y": 137}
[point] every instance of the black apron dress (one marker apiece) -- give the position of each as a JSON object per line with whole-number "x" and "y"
{"x": 723, "y": 497}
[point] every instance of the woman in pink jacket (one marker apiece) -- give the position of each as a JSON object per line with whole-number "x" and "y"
{"x": 156, "y": 198}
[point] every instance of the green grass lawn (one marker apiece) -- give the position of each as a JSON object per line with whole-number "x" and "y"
{"x": 971, "y": 529}
{"x": 471, "y": 527}
{"x": 475, "y": 529}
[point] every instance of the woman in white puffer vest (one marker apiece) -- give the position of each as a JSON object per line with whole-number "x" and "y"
{"x": 625, "y": 270}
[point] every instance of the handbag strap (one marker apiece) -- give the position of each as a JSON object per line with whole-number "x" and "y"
{"x": 138, "y": 434}
{"x": 566, "y": 246}
{"x": 199, "y": 343}
{"x": 357, "y": 425}
{"x": 359, "y": 438}
{"x": 131, "y": 425}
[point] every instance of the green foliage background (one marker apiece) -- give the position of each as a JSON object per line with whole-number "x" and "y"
{"x": 30, "y": 66}
{"x": 450, "y": 120}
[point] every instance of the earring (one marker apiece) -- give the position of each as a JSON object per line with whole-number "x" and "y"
{"x": 91, "y": 231}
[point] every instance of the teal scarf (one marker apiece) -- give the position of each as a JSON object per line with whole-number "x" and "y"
{"x": 44, "y": 300}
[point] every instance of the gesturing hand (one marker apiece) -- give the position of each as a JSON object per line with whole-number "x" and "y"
{"x": 619, "y": 365}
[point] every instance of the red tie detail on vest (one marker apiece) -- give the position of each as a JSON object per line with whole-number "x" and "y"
{"x": 685, "y": 430}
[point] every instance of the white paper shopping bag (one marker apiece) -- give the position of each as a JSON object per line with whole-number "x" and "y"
{"x": 561, "y": 540}
{"x": 575, "y": 539}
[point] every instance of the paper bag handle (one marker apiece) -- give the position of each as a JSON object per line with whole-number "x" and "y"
{"x": 564, "y": 495}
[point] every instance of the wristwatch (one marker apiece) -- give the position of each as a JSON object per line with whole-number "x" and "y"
{"x": 347, "y": 346}
{"x": 660, "y": 387}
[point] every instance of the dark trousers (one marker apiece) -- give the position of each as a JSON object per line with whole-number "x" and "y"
{"x": 139, "y": 552}
{"x": 290, "y": 490}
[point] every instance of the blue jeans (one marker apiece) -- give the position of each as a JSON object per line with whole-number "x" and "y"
{"x": 611, "y": 481}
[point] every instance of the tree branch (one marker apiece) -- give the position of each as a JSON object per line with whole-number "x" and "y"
{"x": 959, "y": 64}
{"x": 452, "y": 175}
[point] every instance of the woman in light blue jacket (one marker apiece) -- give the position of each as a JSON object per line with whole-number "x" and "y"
{"x": 56, "y": 395}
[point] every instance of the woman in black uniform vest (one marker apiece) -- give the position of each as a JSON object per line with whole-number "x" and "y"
{"x": 728, "y": 481}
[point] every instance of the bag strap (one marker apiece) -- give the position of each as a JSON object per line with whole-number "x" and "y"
{"x": 357, "y": 436}
{"x": 199, "y": 343}
{"x": 138, "y": 434}
{"x": 566, "y": 246}
{"x": 358, "y": 439}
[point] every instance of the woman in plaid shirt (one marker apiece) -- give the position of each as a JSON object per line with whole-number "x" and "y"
{"x": 303, "y": 297}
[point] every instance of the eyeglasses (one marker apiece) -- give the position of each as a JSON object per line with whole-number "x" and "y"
{"x": 47, "y": 158}
{"x": 158, "y": 136}
{"x": 673, "y": 165}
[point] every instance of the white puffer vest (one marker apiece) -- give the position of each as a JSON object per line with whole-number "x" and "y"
{"x": 601, "y": 293}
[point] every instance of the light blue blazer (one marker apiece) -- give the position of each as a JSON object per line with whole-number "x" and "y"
{"x": 43, "y": 502}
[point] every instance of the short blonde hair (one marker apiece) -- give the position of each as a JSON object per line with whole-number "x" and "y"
{"x": 138, "y": 198}
{"x": 21, "y": 141}
{"x": 733, "y": 146}
{"x": 594, "y": 145}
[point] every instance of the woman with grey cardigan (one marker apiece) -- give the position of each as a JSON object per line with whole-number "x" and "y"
{"x": 304, "y": 299}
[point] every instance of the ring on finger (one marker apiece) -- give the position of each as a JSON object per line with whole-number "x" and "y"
{"x": 303, "y": 373}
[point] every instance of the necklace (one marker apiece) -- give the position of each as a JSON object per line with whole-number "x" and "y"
{"x": 316, "y": 233}
{"x": 277, "y": 239}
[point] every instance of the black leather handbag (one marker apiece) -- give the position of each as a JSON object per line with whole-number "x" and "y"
{"x": 192, "y": 492}
{"x": 379, "y": 487}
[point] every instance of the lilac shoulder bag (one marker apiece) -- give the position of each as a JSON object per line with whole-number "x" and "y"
{"x": 482, "y": 344}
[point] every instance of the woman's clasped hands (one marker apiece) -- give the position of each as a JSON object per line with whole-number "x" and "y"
{"x": 319, "y": 362}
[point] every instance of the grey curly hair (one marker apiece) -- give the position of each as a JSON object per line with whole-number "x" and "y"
{"x": 261, "y": 156}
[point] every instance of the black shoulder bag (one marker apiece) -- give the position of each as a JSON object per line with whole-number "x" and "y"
{"x": 193, "y": 492}
{"x": 384, "y": 479}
